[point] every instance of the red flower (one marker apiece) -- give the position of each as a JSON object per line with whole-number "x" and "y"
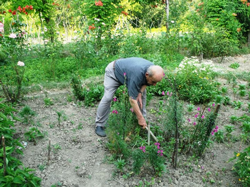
{"x": 31, "y": 7}
{"x": 125, "y": 13}
{"x": 1, "y": 35}
{"x": 248, "y": 4}
{"x": 91, "y": 27}
{"x": 10, "y": 11}
{"x": 19, "y": 8}
{"x": 99, "y": 3}
{"x": 23, "y": 10}
{"x": 27, "y": 6}
{"x": 14, "y": 12}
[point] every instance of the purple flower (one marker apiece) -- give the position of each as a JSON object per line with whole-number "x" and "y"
{"x": 202, "y": 117}
{"x": 216, "y": 127}
{"x": 115, "y": 112}
{"x": 202, "y": 167}
{"x": 213, "y": 104}
{"x": 209, "y": 110}
{"x": 198, "y": 108}
{"x": 196, "y": 115}
{"x": 115, "y": 99}
{"x": 212, "y": 133}
{"x": 162, "y": 93}
{"x": 143, "y": 149}
{"x": 189, "y": 120}
{"x": 194, "y": 123}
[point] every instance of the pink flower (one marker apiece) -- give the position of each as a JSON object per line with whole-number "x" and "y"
{"x": 209, "y": 110}
{"x": 213, "y": 104}
{"x": 131, "y": 109}
{"x": 167, "y": 93}
{"x": 124, "y": 74}
{"x": 202, "y": 117}
{"x": 196, "y": 115}
{"x": 198, "y": 108}
{"x": 216, "y": 127}
{"x": 115, "y": 99}
{"x": 189, "y": 120}
{"x": 194, "y": 123}
{"x": 162, "y": 93}
{"x": 143, "y": 148}
{"x": 212, "y": 133}
{"x": 115, "y": 112}
{"x": 12, "y": 35}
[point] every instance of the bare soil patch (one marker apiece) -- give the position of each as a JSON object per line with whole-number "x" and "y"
{"x": 79, "y": 157}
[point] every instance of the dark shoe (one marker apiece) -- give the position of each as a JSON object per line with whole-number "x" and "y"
{"x": 100, "y": 131}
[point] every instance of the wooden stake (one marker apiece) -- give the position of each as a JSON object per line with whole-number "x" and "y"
{"x": 49, "y": 149}
{"x": 152, "y": 134}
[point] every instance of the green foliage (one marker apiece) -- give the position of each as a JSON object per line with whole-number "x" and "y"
{"x": 219, "y": 136}
{"x": 48, "y": 101}
{"x": 16, "y": 174}
{"x": 152, "y": 154}
{"x": 242, "y": 165}
{"x": 234, "y": 65}
{"x": 90, "y": 96}
{"x": 197, "y": 80}
{"x": 27, "y": 114}
{"x": 204, "y": 127}
{"x": 33, "y": 134}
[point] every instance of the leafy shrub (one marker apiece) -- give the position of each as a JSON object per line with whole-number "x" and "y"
{"x": 234, "y": 65}
{"x": 15, "y": 174}
{"x": 194, "y": 82}
{"x": 89, "y": 96}
{"x": 242, "y": 165}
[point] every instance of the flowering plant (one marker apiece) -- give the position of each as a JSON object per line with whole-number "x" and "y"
{"x": 153, "y": 154}
{"x": 242, "y": 165}
{"x": 12, "y": 45}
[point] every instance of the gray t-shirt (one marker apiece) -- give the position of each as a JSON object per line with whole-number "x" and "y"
{"x": 134, "y": 69}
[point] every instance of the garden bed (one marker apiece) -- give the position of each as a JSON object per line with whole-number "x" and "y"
{"x": 79, "y": 157}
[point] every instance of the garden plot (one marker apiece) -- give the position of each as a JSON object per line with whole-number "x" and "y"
{"x": 79, "y": 158}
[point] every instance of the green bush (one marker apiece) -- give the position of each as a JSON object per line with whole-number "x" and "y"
{"x": 242, "y": 165}
{"x": 194, "y": 84}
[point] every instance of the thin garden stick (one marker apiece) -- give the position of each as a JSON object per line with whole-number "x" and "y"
{"x": 148, "y": 133}
{"x": 4, "y": 156}
{"x": 152, "y": 134}
{"x": 49, "y": 148}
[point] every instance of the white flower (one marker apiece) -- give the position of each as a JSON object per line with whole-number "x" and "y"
{"x": 1, "y": 27}
{"x": 172, "y": 21}
{"x": 12, "y": 35}
{"x": 97, "y": 19}
{"x": 42, "y": 32}
{"x": 19, "y": 63}
{"x": 103, "y": 23}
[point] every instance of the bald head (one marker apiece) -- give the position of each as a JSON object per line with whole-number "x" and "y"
{"x": 154, "y": 74}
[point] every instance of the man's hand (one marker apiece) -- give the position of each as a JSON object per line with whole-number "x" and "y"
{"x": 142, "y": 122}
{"x": 139, "y": 100}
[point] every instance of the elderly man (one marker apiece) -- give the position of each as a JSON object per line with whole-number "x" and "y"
{"x": 137, "y": 73}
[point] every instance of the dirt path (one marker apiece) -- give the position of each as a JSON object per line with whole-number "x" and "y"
{"x": 79, "y": 157}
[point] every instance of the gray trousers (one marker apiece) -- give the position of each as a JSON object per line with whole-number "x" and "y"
{"x": 110, "y": 86}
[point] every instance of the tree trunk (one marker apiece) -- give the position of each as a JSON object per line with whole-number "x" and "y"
{"x": 167, "y": 14}
{"x": 248, "y": 38}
